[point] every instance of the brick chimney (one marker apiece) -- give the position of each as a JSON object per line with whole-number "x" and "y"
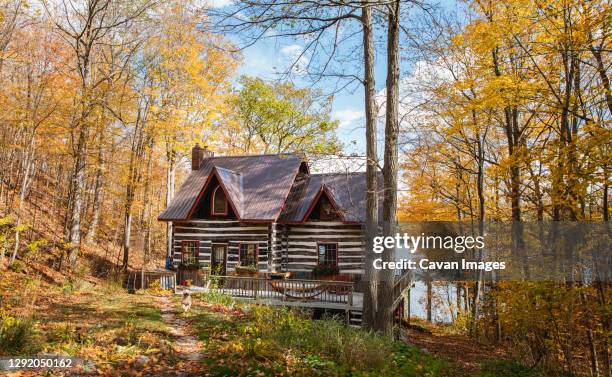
{"x": 197, "y": 154}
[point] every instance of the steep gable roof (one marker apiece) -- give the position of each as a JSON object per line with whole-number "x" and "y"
{"x": 347, "y": 193}
{"x": 256, "y": 185}
{"x": 231, "y": 182}
{"x": 323, "y": 192}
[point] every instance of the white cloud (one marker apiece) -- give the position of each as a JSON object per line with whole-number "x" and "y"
{"x": 291, "y": 50}
{"x": 337, "y": 164}
{"x": 416, "y": 90}
{"x": 347, "y": 117}
{"x": 294, "y": 55}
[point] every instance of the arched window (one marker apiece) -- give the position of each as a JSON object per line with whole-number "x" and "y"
{"x": 219, "y": 202}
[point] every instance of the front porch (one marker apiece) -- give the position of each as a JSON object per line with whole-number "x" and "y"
{"x": 319, "y": 294}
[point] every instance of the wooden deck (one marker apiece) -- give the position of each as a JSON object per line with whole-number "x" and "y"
{"x": 338, "y": 295}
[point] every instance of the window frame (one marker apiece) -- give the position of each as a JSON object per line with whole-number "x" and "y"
{"x": 336, "y": 259}
{"x": 256, "y": 253}
{"x": 212, "y": 202}
{"x": 184, "y": 245}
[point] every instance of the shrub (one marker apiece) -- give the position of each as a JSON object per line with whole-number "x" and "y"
{"x": 17, "y": 336}
{"x": 113, "y": 283}
{"x": 501, "y": 368}
{"x": 217, "y": 298}
{"x": 324, "y": 270}
{"x": 156, "y": 289}
{"x": 330, "y": 337}
{"x": 33, "y": 248}
{"x": 330, "y": 343}
{"x": 18, "y": 266}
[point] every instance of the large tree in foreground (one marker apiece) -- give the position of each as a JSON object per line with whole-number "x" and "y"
{"x": 330, "y": 33}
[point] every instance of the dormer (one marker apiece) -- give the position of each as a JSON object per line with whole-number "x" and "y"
{"x": 221, "y": 196}
{"x": 323, "y": 207}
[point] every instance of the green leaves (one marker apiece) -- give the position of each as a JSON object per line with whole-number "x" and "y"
{"x": 279, "y": 117}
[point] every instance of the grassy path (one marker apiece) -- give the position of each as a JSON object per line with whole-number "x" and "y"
{"x": 185, "y": 344}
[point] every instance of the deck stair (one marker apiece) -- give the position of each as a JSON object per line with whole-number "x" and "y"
{"x": 354, "y": 318}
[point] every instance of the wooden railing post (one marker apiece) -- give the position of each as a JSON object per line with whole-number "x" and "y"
{"x": 284, "y": 292}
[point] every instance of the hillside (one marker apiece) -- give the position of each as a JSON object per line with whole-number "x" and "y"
{"x": 48, "y": 311}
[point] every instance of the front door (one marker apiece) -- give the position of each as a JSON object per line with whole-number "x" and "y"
{"x": 217, "y": 259}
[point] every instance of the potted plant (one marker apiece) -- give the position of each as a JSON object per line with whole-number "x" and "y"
{"x": 279, "y": 275}
{"x": 246, "y": 270}
{"x": 189, "y": 265}
{"x": 325, "y": 272}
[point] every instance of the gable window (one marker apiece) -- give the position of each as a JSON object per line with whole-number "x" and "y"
{"x": 327, "y": 211}
{"x": 323, "y": 208}
{"x": 189, "y": 252}
{"x": 248, "y": 254}
{"x": 328, "y": 254}
{"x": 219, "y": 202}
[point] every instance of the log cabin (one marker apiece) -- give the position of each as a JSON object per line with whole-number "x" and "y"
{"x": 268, "y": 213}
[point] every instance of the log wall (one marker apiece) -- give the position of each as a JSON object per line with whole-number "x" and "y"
{"x": 282, "y": 247}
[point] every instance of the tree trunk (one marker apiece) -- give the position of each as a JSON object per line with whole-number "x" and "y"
{"x": 25, "y": 182}
{"x": 429, "y": 299}
{"x": 134, "y": 177}
{"x": 601, "y": 284}
{"x": 590, "y": 339}
{"x": 603, "y": 75}
{"x": 370, "y": 304}
{"x": 169, "y": 196}
{"x": 127, "y": 233}
{"x": 408, "y": 308}
{"x": 97, "y": 200}
{"x": 78, "y": 180}
{"x": 481, "y": 218}
{"x": 145, "y": 219}
{"x": 458, "y": 298}
{"x": 605, "y": 209}
{"x": 384, "y": 319}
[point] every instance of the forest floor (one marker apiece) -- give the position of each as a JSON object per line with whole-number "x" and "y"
{"x": 148, "y": 334}
{"x": 459, "y": 349}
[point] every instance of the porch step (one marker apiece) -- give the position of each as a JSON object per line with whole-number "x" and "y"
{"x": 354, "y": 318}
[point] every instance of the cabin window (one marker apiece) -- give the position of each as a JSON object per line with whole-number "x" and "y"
{"x": 189, "y": 252}
{"x": 248, "y": 254}
{"x": 328, "y": 254}
{"x": 219, "y": 202}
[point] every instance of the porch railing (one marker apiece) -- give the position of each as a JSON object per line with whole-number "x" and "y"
{"x": 337, "y": 292}
{"x": 195, "y": 276}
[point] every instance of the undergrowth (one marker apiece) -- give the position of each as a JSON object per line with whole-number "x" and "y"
{"x": 17, "y": 336}
{"x": 280, "y": 341}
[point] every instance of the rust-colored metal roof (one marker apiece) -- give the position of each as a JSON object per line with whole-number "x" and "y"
{"x": 232, "y": 182}
{"x": 347, "y": 190}
{"x": 259, "y": 183}
{"x": 271, "y": 188}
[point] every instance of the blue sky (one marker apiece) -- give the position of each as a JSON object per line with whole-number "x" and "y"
{"x": 269, "y": 56}
{"x": 265, "y": 58}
